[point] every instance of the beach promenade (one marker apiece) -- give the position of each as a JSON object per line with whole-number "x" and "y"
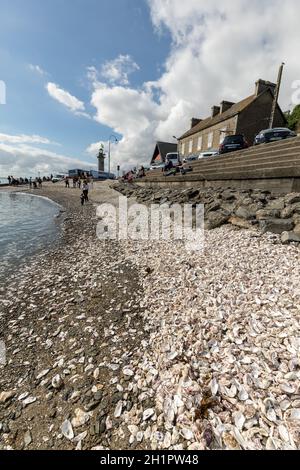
{"x": 138, "y": 345}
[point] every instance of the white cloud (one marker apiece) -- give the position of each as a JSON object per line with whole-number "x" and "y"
{"x": 66, "y": 99}
{"x": 25, "y": 139}
{"x": 132, "y": 114}
{"x": 117, "y": 71}
{"x": 218, "y": 51}
{"x": 25, "y": 160}
{"x": 37, "y": 69}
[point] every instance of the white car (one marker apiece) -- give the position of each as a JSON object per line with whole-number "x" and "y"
{"x": 57, "y": 179}
{"x": 209, "y": 153}
{"x": 174, "y": 158}
{"x": 157, "y": 166}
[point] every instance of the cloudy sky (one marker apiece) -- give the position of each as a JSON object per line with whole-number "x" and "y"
{"x": 78, "y": 71}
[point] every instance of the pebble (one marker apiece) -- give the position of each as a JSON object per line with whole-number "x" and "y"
{"x": 67, "y": 430}
{"x": 27, "y": 438}
{"x": 6, "y": 396}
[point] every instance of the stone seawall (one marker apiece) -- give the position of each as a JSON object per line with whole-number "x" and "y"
{"x": 244, "y": 209}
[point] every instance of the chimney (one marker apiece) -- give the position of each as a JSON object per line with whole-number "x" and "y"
{"x": 214, "y": 111}
{"x": 263, "y": 85}
{"x": 225, "y": 105}
{"x": 194, "y": 122}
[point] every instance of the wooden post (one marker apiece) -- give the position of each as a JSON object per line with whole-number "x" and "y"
{"x": 275, "y": 101}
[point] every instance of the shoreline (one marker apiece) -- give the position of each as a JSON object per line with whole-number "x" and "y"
{"x": 128, "y": 345}
{"x": 58, "y": 221}
{"x": 92, "y": 295}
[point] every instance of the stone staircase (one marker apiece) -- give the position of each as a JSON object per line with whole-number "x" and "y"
{"x": 274, "y": 166}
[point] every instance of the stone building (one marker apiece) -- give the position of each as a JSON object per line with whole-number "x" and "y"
{"x": 248, "y": 117}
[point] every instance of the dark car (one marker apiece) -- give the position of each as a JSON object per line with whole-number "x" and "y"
{"x": 272, "y": 135}
{"x": 233, "y": 143}
{"x": 190, "y": 158}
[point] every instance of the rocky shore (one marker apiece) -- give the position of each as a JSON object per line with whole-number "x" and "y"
{"x": 126, "y": 345}
{"x": 245, "y": 209}
{"x": 70, "y": 319}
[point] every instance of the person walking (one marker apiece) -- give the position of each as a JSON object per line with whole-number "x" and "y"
{"x": 85, "y": 191}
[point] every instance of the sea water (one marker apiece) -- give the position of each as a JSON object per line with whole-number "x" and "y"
{"x": 27, "y": 224}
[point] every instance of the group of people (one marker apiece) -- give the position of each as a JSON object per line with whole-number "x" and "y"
{"x": 85, "y": 185}
{"x": 171, "y": 170}
{"x": 135, "y": 174}
{"x": 35, "y": 183}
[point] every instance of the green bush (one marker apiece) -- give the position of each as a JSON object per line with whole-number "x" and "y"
{"x": 294, "y": 118}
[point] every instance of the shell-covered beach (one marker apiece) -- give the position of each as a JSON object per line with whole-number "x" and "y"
{"x": 138, "y": 345}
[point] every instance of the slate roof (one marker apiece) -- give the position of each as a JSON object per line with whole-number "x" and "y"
{"x": 231, "y": 112}
{"x": 163, "y": 148}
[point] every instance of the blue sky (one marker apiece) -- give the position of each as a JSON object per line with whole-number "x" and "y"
{"x": 64, "y": 38}
{"x": 77, "y": 71}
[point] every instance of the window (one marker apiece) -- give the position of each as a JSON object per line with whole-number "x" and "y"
{"x": 191, "y": 146}
{"x": 183, "y": 148}
{"x": 223, "y": 133}
{"x": 210, "y": 140}
{"x": 199, "y": 143}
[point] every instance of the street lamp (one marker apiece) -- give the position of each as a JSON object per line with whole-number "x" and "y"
{"x": 178, "y": 151}
{"x": 116, "y": 140}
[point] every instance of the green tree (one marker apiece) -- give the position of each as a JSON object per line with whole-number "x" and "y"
{"x": 294, "y": 118}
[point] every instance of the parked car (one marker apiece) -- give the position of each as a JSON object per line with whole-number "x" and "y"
{"x": 209, "y": 153}
{"x": 272, "y": 135}
{"x": 57, "y": 179}
{"x": 190, "y": 158}
{"x": 174, "y": 158}
{"x": 232, "y": 143}
{"x": 157, "y": 166}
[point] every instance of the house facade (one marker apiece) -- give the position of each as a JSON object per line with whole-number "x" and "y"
{"x": 248, "y": 117}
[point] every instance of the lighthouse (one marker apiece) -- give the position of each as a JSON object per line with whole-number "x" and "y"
{"x": 101, "y": 158}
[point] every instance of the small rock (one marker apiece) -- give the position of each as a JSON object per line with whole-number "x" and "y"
{"x": 27, "y": 438}
{"x": 277, "y": 225}
{"x": 289, "y": 237}
{"x": 118, "y": 410}
{"x": 187, "y": 434}
{"x": 292, "y": 198}
{"x": 238, "y": 222}
{"x": 43, "y": 374}
{"x": 80, "y": 419}
{"x": 6, "y": 396}
{"x": 148, "y": 414}
{"x": 67, "y": 430}
{"x": 128, "y": 372}
{"x": 57, "y": 382}
{"x": 29, "y": 401}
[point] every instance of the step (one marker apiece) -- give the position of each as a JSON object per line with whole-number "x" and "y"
{"x": 255, "y": 173}
{"x": 241, "y": 157}
{"x": 276, "y": 146}
{"x": 246, "y": 164}
{"x": 273, "y": 145}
